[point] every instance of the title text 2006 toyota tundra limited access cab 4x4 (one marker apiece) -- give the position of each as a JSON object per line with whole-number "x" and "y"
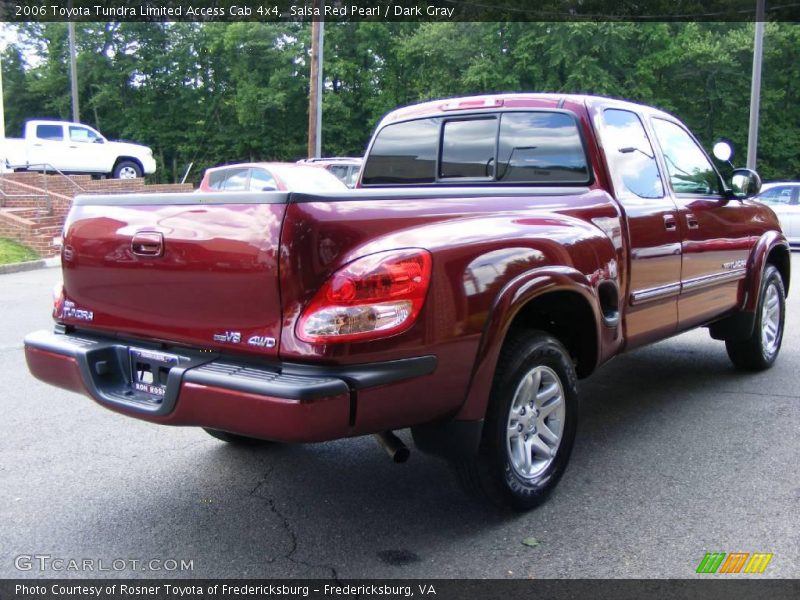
{"x": 499, "y": 248}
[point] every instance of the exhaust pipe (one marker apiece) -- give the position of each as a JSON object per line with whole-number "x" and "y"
{"x": 394, "y": 446}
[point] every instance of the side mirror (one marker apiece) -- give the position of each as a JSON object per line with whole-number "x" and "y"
{"x": 745, "y": 183}
{"x": 723, "y": 150}
{"x": 99, "y": 141}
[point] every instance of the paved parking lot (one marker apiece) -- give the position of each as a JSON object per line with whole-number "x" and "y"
{"x": 677, "y": 455}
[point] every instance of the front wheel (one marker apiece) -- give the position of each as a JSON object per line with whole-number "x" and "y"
{"x": 759, "y": 351}
{"x": 127, "y": 169}
{"x": 530, "y": 426}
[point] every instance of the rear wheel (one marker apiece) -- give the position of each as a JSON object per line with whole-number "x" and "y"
{"x": 759, "y": 351}
{"x": 530, "y": 426}
{"x": 235, "y": 438}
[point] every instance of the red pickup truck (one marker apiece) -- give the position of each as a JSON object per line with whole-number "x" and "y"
{"x": 498, "y": 249}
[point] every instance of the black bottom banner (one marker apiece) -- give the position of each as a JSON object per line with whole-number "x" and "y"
{"x": 396, "y": 589}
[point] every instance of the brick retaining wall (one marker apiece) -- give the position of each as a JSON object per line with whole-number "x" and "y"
{"x": 24, "y": 199}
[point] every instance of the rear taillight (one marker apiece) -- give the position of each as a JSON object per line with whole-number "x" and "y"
{"x": 372, "y": 297}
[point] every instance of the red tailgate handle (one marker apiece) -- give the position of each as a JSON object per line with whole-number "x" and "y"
{"x": 148, "y": 243}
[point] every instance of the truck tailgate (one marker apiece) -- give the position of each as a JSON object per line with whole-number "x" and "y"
{"x": 199, "y": 269}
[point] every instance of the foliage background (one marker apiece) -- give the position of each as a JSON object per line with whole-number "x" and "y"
{"x": 212, "y": 93}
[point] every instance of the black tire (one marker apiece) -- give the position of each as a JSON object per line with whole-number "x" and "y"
{"x": 761, "y": 349}
{"x": 127, "y": 169}
{"x": 495, "y": 474}
{"x": 235, "y": 438}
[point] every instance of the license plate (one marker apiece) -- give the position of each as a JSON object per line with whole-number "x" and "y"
{"x": 150, "y": 371}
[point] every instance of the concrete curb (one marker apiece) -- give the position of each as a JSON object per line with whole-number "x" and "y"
{"x": 31, "y": 265}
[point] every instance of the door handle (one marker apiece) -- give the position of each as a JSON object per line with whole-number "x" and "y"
{"x": 148, "y": 243}
{"x": 670, "y": 224}
{"x": 692, "y": 221}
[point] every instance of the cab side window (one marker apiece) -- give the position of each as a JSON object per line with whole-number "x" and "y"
{"x": 262, "y": 181}
{"x": 630, "y": 154}
{"x": 237, "y": 180}
{"x": 81, "y": 134}
{"x": 229, "y": 180}
{"x": 690, "y": 171}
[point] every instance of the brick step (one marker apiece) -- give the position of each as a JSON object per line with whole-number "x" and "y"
{"x": 41, "y": 217}
{"x": 37, "y": 241}
{"x": 47, "y": 230}
{"x": 34, "y": 215}
{"x": 23, "y": 202}
{"x": 47, "y": 220}
{"x": 22, "y": 213}
{"x": 39, "y": 178}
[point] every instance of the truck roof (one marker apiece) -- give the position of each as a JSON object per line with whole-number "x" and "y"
{"x": 506, "y": 101}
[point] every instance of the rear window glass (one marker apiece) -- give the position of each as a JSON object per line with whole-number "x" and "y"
{"x": 533, "y": 147}
{"x": 50, "y": 132}
{"x": 540, "y": 148}
{"x": 468, "y": 148}
{"x": 404, "y": 153}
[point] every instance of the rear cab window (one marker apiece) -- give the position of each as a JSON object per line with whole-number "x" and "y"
{"x": 514, "y": 147}
{"x": 53, "y": 133}
{"x": 404, "y": 154}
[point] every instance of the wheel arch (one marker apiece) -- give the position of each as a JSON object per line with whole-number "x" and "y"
{"x": 132, "y": 159}
{"x": 560, "y": 301}
{"x": 771, "y": 248}
{"x": 780, "y": 257}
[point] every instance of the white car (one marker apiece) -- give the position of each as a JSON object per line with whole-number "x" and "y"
{"x": 783, "y": 197}
{"x": 75, "y": 148}
{"x": 270, "y": 176}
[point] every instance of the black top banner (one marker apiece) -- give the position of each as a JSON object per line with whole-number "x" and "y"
{"x": 397, "y": 10}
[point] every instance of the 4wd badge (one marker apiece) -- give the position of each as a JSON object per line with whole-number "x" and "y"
{"x": 262, "y": 341}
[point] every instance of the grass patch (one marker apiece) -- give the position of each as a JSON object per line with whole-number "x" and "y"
{"x": 12, "y": 252}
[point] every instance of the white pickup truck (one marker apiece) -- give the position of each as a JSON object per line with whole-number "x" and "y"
{"x": 74, "y": 148}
